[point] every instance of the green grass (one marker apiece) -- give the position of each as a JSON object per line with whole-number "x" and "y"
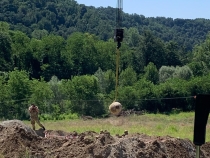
{"x": 1, "y": 156}
{"x": 176, "y": 125}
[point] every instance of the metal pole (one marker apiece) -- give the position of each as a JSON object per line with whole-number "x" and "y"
{"x": 197, "y": 151}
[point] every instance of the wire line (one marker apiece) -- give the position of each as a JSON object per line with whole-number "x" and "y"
{"x": 117, "y": 73}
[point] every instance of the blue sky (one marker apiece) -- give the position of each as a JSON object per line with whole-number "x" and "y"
{"x": 186, "y": 9}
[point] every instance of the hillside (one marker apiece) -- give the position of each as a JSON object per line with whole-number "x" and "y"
{"x": 78, "y": 74}
{"x": 64, "y": 17}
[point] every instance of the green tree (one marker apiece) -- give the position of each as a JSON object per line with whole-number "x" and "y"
{"x": 128, "y": 97}
{"x": 201, "y": 54}
{"x": 153, "y": 50}
{"x": 101, "y": 79}
{"x": 171, "y": 94}
{"x": 166, "y": 72}
{"x": 127, "y": 77}
{"x": 52, "y": 48}
{"x": 35, "y": 47}
{"x": 59, "y": 95}
{"x": 172, "y": 58}
{"x": 183, "y": 72}
{"x": 151, "y": 73}
{"x": 106, "y": 54}
{"x": 198, "y": 85}
{"x": 110, "y": 81}
{"x": 5, "y": 51}
{"x": 19, "y": 88}
{"x": 138, "y": 60}
{"x": 5, "y": 109}
{"x": 21, "y": 53}
{"x": 198, "y": 68}
{"x": 39, "y": 34}
{"x": 41, "y": 95}
{"x": 81, "y": 48}
{"x": 106, "y": 80}
{"x": 133, "y": 38}
{"x": 146, "y": 97}
{"x": 4, "y": 26}
{"x": 83, "y": 92}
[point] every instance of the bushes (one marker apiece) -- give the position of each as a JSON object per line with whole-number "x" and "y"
{"x": 168, "y": 72}
{"x": 66, "y": 99}
{"x": 127, "y": 97}
{"x": 183, "y": 72}
{"x": 171, "y": 94}
{"x": 146, "y": 98}
{"x": 165, "y": 73}
{"x": 175, "y": 93}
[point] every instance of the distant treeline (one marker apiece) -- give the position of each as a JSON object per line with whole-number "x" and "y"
{"x": 37, "y": 18}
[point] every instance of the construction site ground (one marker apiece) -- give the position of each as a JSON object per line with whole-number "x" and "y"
{"x": 18, "y": 140}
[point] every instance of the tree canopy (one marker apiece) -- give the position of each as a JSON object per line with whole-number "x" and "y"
{"x": 36, "y": 18}
{"x": 61, "y": 56}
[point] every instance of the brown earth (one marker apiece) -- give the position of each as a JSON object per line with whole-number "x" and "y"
{"x": 19, "y": 140}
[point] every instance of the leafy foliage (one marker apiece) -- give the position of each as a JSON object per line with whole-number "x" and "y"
{"x": 5, "y": 51}
{"x": 36, "y": 19}
{"x": 151, "y": 73}
{"x": 83, "y": 93}
{"x": 183, "y": 72}
{"x": 127, "y": 77}
{"x": 168, "y": 72}
{"x": 19, "y": 87}
{"x": 60, "y": 56}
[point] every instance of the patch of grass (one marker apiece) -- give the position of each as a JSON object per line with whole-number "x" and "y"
{"x": 1, "y": 156}
{"x": 27, "y": 153}
{"x": 176, "y": 125}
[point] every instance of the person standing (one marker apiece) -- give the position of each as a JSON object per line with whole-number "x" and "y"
{"x": 34, "y": 112}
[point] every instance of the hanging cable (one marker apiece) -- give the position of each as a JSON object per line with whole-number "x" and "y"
{"x": 118, "y": 37}
{"x": 117, "y": 73}
{"x": 96, "y": 100}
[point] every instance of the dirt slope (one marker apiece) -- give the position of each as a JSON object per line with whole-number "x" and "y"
{"x": 18, "y": 140}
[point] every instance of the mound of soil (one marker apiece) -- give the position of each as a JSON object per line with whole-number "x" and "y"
{"x": 18, "y": 140}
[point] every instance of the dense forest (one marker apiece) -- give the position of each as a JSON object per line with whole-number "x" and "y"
{"x": 37, "y": 18}
{"x": 68, "y": 70}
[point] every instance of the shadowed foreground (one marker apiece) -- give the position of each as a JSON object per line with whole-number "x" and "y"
{"x": 18, "y": 140}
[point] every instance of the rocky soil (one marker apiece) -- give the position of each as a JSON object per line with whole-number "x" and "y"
{"x": 17, "y": 140}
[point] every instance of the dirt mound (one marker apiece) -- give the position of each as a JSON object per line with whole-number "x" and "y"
{"x": 13, "y": 124}
{"x": 18, "y": 140}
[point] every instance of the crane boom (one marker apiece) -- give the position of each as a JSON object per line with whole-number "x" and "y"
{"x": 119, "y": 31}
{"x": 119, "y": 14}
